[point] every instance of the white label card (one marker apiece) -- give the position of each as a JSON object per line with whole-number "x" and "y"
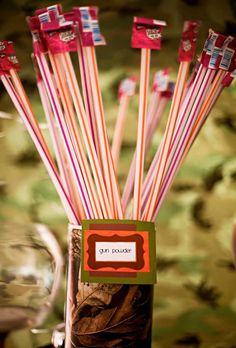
{"x": 119, "y": 252}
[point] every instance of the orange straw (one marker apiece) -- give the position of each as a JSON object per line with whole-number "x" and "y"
{"x": 107, "y": 161}
{"x": 140, "y": 147}
{"x": 71, "y": 122}
{"x": 86, "y": 132}
{"x": 167, "y": 139}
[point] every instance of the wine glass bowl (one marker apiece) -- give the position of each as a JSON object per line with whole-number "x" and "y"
{"x": 30, "y": 271}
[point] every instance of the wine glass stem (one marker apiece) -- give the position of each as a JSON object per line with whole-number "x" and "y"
{"x": 3, "y": 336}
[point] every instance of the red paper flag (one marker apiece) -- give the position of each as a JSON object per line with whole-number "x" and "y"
{"x": 58, "y": 32}
{"x": 127, "y": 87}
{"x": 161, "y": 80}
{"x": 89, "y": 31}
{"x": 188, "y": 41}
{"x": 39, "y": 43}
{"x": 147, "y": 33}
{"x": 168, "y": 93}
{"x": 8, "y": 58}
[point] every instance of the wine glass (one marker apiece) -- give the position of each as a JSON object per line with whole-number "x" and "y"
{"x": 30, "y": 272}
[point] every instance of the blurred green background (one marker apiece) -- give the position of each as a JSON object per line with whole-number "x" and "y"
{"x": 195, "y": 297}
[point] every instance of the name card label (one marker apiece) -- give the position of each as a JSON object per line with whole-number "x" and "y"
{"x": 118, "y": 251}
{"x": 108, "y": 251}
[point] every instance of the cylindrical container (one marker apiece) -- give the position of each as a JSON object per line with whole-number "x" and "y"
{"x": 105, "y": 315}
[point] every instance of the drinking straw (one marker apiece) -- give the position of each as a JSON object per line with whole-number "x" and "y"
{"x": 125, "y": 92}
{"x": 72, "y": 158}
{"x": 42, "y": 151}
{"x": 228, "y": 64}
{"x": 189, "y": 132}
{"x": 162, "y": 158}
{"x": 212, "y": 96}
{"x": 107, "y": 161}
{"x": 180, "y": 124}
{"x": 77, "y": 100}
{"x": 174, "y": 165}
{"x": 151, "y": 171}
{"x": 147, "y": 38}
{"x": 59, "y": 150}
{"x": 71, "y": 122}
{"x": 214, "y": 92}
{"x": 90, "y": 36}
{"x": 25, "y": 102}
{"x": 155, "y": 111}
{"x": 86, "y": 132}
{"x": 199, "y": 68}
{"x": 53, "y": 132}
{"x": 160, "y": 110}
{"x": 87, "y": 96}
{"x": 50, "y": 22}
{"x": 185, "y": 57}
{"x": 85, "y": 82}
{"x": 159, "y": 106}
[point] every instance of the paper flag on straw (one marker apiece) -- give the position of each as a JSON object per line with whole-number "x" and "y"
{"x": 161, "y": 80}
{"x": 39, "y": 44}
{"x": 146, "y": 33}
{"x": 188, "y": 41}
{"x": 213, "y": 50}
{"x": 88, "y": 26}
{"x": 55, "y": 9}
{"x": 228, "y": 61}
{"x": 58, "y": 32}
{"x": 8, "y": 58}
{"x": 222, "y": 54}
{"x": 168, "y": 93}
{"x": 228, "y": 78}
{"x": 127, "y": 87}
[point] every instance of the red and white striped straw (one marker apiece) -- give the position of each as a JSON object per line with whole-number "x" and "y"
{"x": 181, "y": 120}
{"x": 88, "y": 97}
{"x": 107, "y": 161}
{"x": 72, "y": 158}
{"x": 140, "y": 147}
{"x": 42, "y": 151}
{"x": 184, "y": 138}
{"x": 119, "y": 128}
{"x": 54, "y": 136}
{"x": 73, "y": 130}
{"x": 155, "y": 111}
{"x": 167, "y": 139}
{"x": 86, "y": 133}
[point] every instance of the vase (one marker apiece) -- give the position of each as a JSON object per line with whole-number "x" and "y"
{"x": 105, "y": 315}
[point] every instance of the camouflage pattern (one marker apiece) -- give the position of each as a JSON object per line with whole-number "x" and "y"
{"x": 195, "y": 297}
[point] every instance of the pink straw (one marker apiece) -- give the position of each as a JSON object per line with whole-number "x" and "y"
{"x": 45, "y": 72}
{"x": 42, "y": 151}
{"x": 184, "y": 138}
{"x": 155, "y": 111}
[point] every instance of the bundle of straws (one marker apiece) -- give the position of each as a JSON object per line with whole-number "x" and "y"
{"x": 84, "y": 172}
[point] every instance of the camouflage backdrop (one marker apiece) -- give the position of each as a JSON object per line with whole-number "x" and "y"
{"x": 195, "y": 297}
